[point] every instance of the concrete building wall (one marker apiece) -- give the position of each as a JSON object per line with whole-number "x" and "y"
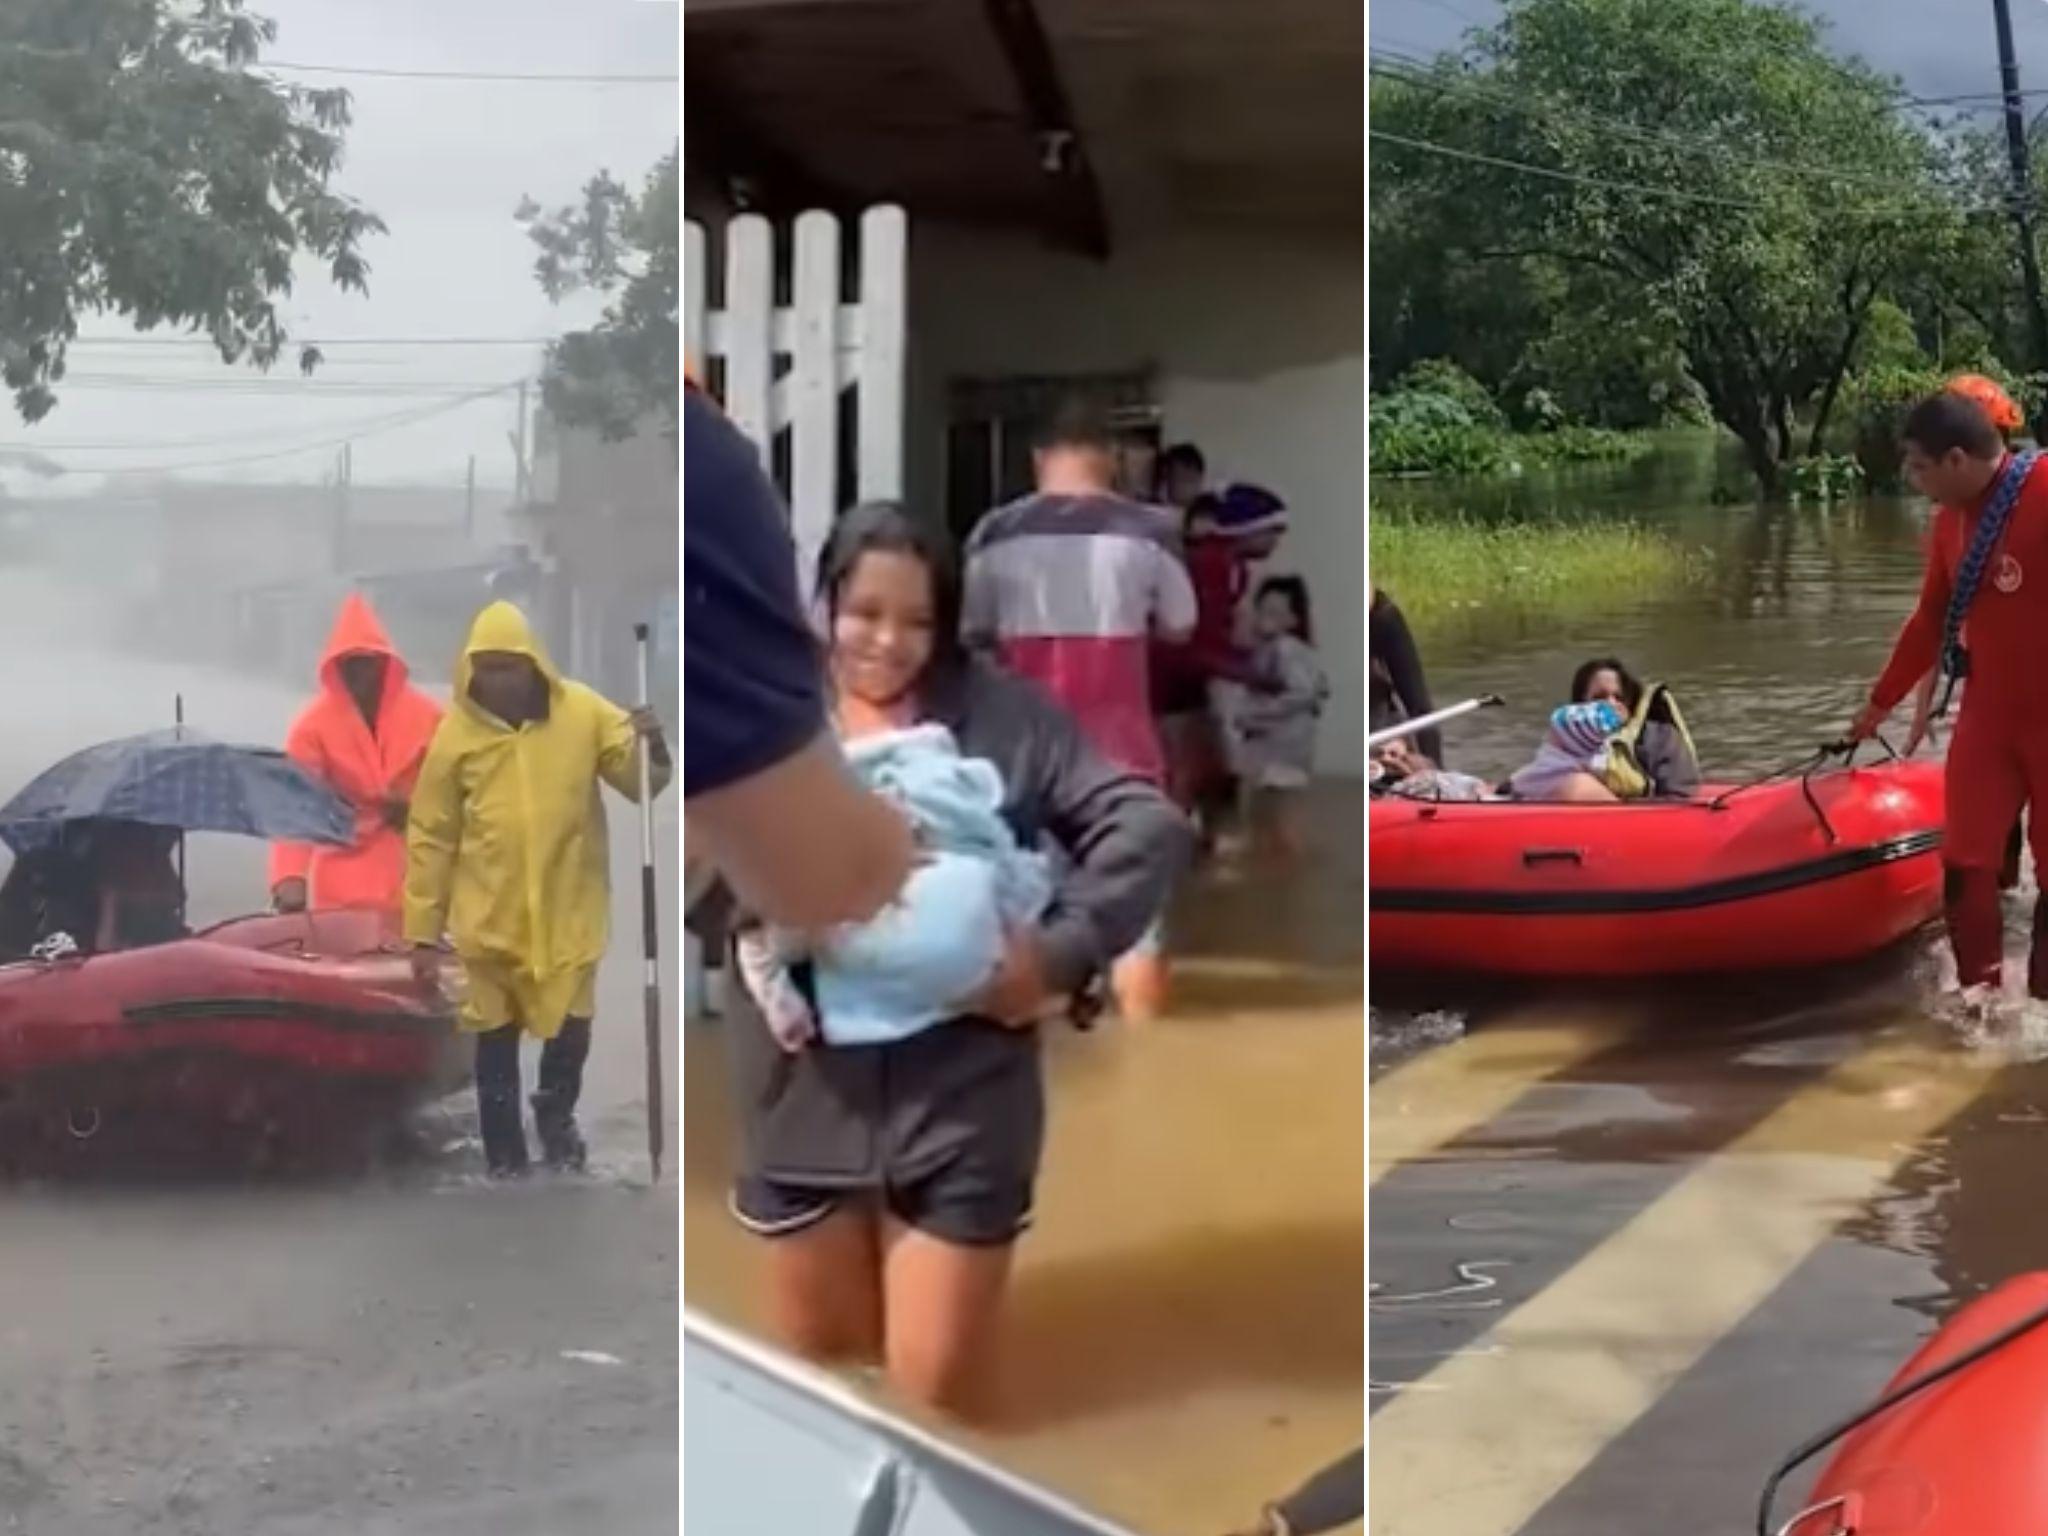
{"x": 1257, "y": 352}
{"x": 607, "y": 523}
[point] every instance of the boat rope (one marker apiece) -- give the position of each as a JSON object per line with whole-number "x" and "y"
{"x": 1472, "y": 1280}
{"x": 1883, "y": 1405}
{"x": 1804, "y": 770}
{"x": 1955, "y": 657}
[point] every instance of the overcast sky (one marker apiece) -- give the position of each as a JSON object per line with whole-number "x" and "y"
{"x": 1938, "y": 47}
{"x": 445, "y": 163}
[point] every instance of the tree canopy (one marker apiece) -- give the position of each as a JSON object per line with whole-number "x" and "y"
{"x": 148, "y": 170}
{"x": 625, "y": 369}
{"x": 1621, "y": 201}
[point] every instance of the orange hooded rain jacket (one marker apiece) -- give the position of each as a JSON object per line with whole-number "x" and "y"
{"x": 368, "y": 768}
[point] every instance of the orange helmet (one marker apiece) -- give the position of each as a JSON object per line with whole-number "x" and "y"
{"x": 2004, "y": 412}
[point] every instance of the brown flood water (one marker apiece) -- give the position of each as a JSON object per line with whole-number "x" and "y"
{"x": 1185, "y": 1333}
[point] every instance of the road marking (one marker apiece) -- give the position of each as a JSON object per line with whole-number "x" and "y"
{"x": 1582, "y": 1360}
{"x": 1428, "y": 1102}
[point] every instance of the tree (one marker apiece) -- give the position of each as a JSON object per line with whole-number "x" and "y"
{"x": 1697, "y": 170}
{"x": 147, "y": 171}
{"x": 627, "y": 367}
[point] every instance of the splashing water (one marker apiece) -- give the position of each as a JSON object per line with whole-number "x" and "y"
{"x": 1396, "y": 1035}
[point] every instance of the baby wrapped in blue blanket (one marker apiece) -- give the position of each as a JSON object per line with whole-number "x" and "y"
{"x": 940, "y": 942}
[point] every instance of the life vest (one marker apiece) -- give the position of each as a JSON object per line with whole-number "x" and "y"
{"x": 1624, "y": 773}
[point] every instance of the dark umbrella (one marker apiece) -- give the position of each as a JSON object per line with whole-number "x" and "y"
{"x": 180, "y": 780}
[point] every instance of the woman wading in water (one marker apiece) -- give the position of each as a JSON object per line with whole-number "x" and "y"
{"x": 891, "y": 1181}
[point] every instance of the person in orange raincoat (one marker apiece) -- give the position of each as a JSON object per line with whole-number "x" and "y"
{"x": 364, "y": 737}
{"x": 2006, "y": 415}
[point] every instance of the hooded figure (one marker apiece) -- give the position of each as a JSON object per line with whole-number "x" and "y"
{"x": 364, "y": 737}
{"x": 506, "y": 856}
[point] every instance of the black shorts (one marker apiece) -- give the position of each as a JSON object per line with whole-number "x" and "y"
{"x": 957, "y": 1205}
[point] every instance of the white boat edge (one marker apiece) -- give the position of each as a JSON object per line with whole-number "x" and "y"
{"x": 773, "y": 1445}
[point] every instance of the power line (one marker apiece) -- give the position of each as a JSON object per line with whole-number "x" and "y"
{"x": 1454, "y": 10}
{"x": 505, "y": 77}
{"x": 323, "y": 341}
{"x": 259, "y": 385}
{"x": 33, "y": 444}
{"x": 1678, "y": 194}
{"x": 1531, "y": 105}
{"x": 389, "y": 423}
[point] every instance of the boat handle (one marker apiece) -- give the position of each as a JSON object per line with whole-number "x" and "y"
{"x": 1531, "y": 857}
{"x": 1847, "y": 1509}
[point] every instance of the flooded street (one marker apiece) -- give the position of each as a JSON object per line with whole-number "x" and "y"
{"x": 1631, "y": 1247}
{"x": 408, "y": 1350}
{"x": 1184, "y": 1338}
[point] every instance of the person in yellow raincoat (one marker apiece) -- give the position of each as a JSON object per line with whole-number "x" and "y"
{"x": 507, "y": 859}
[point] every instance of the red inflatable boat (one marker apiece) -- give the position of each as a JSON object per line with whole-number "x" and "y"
{"x": 1964, "y": 1457}
{"x": 319, "y": 1004}
{"x": 1798, "y": 872}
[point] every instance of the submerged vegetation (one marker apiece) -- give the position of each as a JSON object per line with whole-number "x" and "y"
{"x": 1439, "y": 420}
{"x": 1454, "y": 571}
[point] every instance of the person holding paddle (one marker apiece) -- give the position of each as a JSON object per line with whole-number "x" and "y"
{"x": 1987, "y": 567}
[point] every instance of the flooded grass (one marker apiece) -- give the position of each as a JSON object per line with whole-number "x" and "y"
{"x": 1448, "y": 572}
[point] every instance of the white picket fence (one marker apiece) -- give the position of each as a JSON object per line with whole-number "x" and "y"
{"x": 833, "y": 343}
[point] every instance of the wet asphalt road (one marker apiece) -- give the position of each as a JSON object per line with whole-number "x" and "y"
{"x": 1628, "y": 1252}
{"x": 405, "y": 1349}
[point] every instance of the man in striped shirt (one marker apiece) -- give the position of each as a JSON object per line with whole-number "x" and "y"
{"x": 1070, "y": 587}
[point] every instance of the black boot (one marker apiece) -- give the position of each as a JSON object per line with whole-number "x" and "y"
{"x": 561, "y": 1143}
{"x": 497, "y": 1102}
{"x": 561, "y": 1085}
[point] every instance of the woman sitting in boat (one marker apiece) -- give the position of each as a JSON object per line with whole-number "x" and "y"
{"x": 1649, "y": 755}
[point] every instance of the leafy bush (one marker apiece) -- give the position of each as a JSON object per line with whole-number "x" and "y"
{"x": 1454, "y": 449}
{"x": 1825, "y": 477}
{"x": 1408, "y": 440}
{"x": 1586, "y": 445}
{"x": 1437, "y": 376}
{"x": 1877, "y": 399}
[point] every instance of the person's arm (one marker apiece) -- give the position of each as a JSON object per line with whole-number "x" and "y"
{"x": 979, "y": 629}
{"x": 291, "y": 864}
{"x": 1174, "y": 610}
{"x": 1667, "y": 761}
{"x": 618, "y": 752}
{"x": 1393, "y": 646}
{"x": 1125, "y": 840}
{"x": 803, "y": 843}
{"x": 767, "y": 797}
{"x": 1923, "y": 715}
{"x": 433, "y": 839}
{"x": 1918, "y": 647}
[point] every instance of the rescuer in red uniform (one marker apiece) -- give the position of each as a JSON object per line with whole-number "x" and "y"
{"x": 1987, "y": 565}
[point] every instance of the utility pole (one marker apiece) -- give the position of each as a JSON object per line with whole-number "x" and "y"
{"x": 522, "y": 491}
{"x": 344, "y": 475}
{"x": 2022, "y": 194}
